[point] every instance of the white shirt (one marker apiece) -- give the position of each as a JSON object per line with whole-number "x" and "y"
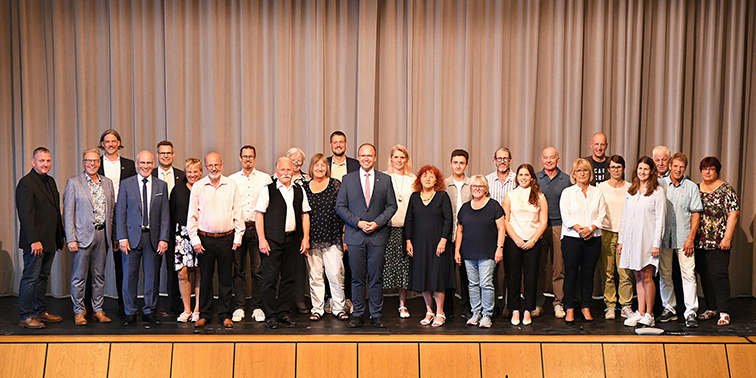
{"x": 372, "y": 181}
{"x": 249, "y": 190}
{"x": 168, "y": 177}
{"x": 524, "y": 217}
{"x": 112, "y": 171}
{"x": 641, "y": 229}
{"x": 149, "y": 191}
{"x": 459, "y": 185}
{"x": 586, "y": 210}
{"x": 499, "y": 189}
{"x": 402, "y": 191}
{"x": 615, "y": 200}
{"x": 338, "y": 170}
{"x": 263, "y": 200}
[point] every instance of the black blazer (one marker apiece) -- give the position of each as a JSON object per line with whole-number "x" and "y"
{"x": 352, "y": 164}
{"x": 38, "y": 213}
{"x": 128, "y": 168}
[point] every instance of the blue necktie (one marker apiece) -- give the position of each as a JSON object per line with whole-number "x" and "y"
{"x": 145, "y": 217}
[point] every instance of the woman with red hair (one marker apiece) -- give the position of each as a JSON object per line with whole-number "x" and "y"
{"x": 428, "y": 227}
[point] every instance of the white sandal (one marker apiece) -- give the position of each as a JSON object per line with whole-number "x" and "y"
{"x": 425, "y": 320}
{"x": 403, "y": 312}
{"x": 437, "y": 323}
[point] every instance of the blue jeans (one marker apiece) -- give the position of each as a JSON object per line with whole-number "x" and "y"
{"x": 480, "y": 276}
{"x": 33, "y": 286}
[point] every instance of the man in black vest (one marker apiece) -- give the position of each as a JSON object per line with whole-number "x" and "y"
{"x": 283, "y": 234}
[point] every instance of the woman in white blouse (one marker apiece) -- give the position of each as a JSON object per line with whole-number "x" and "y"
{"x": 397, "y": 265}
{"x": 640, "y": 235}
{"x": 583, "y": 210}
{"x": 527, "y": 215}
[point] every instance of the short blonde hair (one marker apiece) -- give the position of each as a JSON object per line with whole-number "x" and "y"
{"x": 580, "y": 163}
{"x": 407, "y": 164}
{"x": 192, "y": 161}
{"x": 482, "y": 179}
{"x": 88, "y": 150}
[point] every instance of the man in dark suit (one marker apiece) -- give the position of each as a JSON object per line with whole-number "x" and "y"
{"x": 366, "y": 202}
{"x": 88, "y": 207}
{"x": 171, "y": 176}
{"x": 117, "y": 168}
{"x": 38, "y": 205}
{"x": 142, "y": 223}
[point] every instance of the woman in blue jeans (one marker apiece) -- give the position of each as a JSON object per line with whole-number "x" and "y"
{"x": 480, "y": 243}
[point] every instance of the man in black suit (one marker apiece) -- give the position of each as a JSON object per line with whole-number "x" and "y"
{"x": 171, "y": 176}
{"x": 366, "y": 202}
{"x": 340, "y": 166}
{"x": 38, "y": 205}
{"x": 116, "y": 168}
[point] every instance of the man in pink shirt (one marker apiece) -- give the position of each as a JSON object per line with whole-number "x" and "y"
{"x": 216, "y": 228}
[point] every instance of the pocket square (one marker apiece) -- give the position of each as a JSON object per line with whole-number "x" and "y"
{"x": 158, "y": 194}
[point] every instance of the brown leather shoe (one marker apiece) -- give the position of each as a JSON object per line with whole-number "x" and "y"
{"x": 80, "y": 319}
{"x": 31, "y": 323}
{"x": 48, "y": 318}
{"x": 228, "y": 323}
{"x": 200, "y": 323}
{"x": 101, "y": 317}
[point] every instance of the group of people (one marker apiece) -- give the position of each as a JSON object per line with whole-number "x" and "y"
{"x": 364, "y": 231}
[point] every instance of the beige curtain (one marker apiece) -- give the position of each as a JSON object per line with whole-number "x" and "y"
{"x": 432, "y": 75}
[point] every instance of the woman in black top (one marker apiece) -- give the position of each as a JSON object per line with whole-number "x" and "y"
{"x": 428, "y": 227}
{"x": 185, "y": 258}
{"x": 480, "y": 243}
{"x": 326, "y": 229}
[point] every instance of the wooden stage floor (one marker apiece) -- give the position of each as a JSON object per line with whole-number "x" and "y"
{"x": 547, "y": 348}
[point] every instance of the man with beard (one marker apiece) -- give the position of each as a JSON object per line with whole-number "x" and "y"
{"x": 216, "y": 228}
{"x": 340, "y": 163}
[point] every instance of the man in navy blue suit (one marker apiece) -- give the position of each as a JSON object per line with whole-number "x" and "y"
{"x": 142, "y": 228}
{"x": 366, "y": 202}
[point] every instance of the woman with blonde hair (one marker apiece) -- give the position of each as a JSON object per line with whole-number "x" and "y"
{"x": 185, "y": 261}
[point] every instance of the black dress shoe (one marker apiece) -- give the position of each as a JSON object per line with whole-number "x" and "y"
{"x": 150, "y": 318}
{"x": 287, "y": 320}
{"x": 356, "y": 322}
{"x": 130, "y": 320}
{"x": 506, "y": 313}
{"x": 378, "y": 322}
{"x": 271, "y": 323}
{"x": 466, "y": 314}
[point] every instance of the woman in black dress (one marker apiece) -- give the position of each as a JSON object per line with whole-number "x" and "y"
{"x": 185, "y": 259}
{"x": 428, "y": 227}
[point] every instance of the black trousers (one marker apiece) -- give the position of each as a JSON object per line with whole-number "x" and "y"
{"x": 580, "y": 259}
{"x": 522, "y": 268}
{"x": 713, "y": 266}
{"x": 218, "y": 250}
{"x": 171, "y": 277}
{"x": 280, "y": 262}
{"x": 249, "y": 246}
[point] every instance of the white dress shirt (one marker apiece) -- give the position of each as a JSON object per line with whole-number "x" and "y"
{"x": 586, "y": 210}
{"x": 372, "y": 182}
{"x": 168, "y": 177}
{"x": 249, "y": 190}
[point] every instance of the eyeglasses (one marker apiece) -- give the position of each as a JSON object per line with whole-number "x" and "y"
{"x": 502, "y": 159}
{"x": 211, "y": 166}
{"x": 165, "y": 153}
{"x": 708, "y": 169}
{"x": 615, "y": 168}
{"x": 248, "y": 157}
{"x": 478, "y": 187}
{"x": 91, "y": 161}
{"x": 296, "y": 161}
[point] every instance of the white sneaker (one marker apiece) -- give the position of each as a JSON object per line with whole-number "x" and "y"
{"x": 609, "y": 313}
{"x": 238, "y": 315}
{"x": 626, "y": 312}
{"x": 258, "y": 315}
{"x": 485, "y": 322}
{"x": 328, "y": 306}
{"x": 474, "y": 320}
{"x": 195, "y": 317}
{"x": 184, "y": 317}
{"x": 559, "y": 311}
{"x": 633, "y": 319}
{"x": 647, "y": 320}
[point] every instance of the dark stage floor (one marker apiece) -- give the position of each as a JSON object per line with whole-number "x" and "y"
{"x": 743, "y": 313}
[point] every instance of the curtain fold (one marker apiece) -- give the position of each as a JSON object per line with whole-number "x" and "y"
{"x": 432, "y": 75}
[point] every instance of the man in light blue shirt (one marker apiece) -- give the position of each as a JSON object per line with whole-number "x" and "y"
{"x": 683, "y": 216}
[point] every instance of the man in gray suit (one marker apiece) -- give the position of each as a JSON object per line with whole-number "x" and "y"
{"x": 88, "y": 204}
{"x": 142, "y": 230}
{"x": 366, "y": 202}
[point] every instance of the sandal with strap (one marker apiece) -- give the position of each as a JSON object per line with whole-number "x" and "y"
{"x": 724, "y": 319}
{"x": 436, "y": 322}
{"x": 315, "y": 316}
{"x": 706, "y": 315}
{"x": 426, "y": 320}
{"x": 342, "y": 316}
{"x": 403, "y": 312}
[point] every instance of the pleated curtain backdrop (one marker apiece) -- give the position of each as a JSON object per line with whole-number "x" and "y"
{"x": 432, "y": 75}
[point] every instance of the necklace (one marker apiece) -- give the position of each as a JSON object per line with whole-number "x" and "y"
{"x": 400, "y": 191}
{"x": 429, "y": 198}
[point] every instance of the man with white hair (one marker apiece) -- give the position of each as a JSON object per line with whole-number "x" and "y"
{"x": 661, "y": 154}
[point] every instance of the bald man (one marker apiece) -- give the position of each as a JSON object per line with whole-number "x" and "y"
{"x": 216, "y": 228}
{"x": 142, "y": 229}
{"x": 598, "y": 158}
